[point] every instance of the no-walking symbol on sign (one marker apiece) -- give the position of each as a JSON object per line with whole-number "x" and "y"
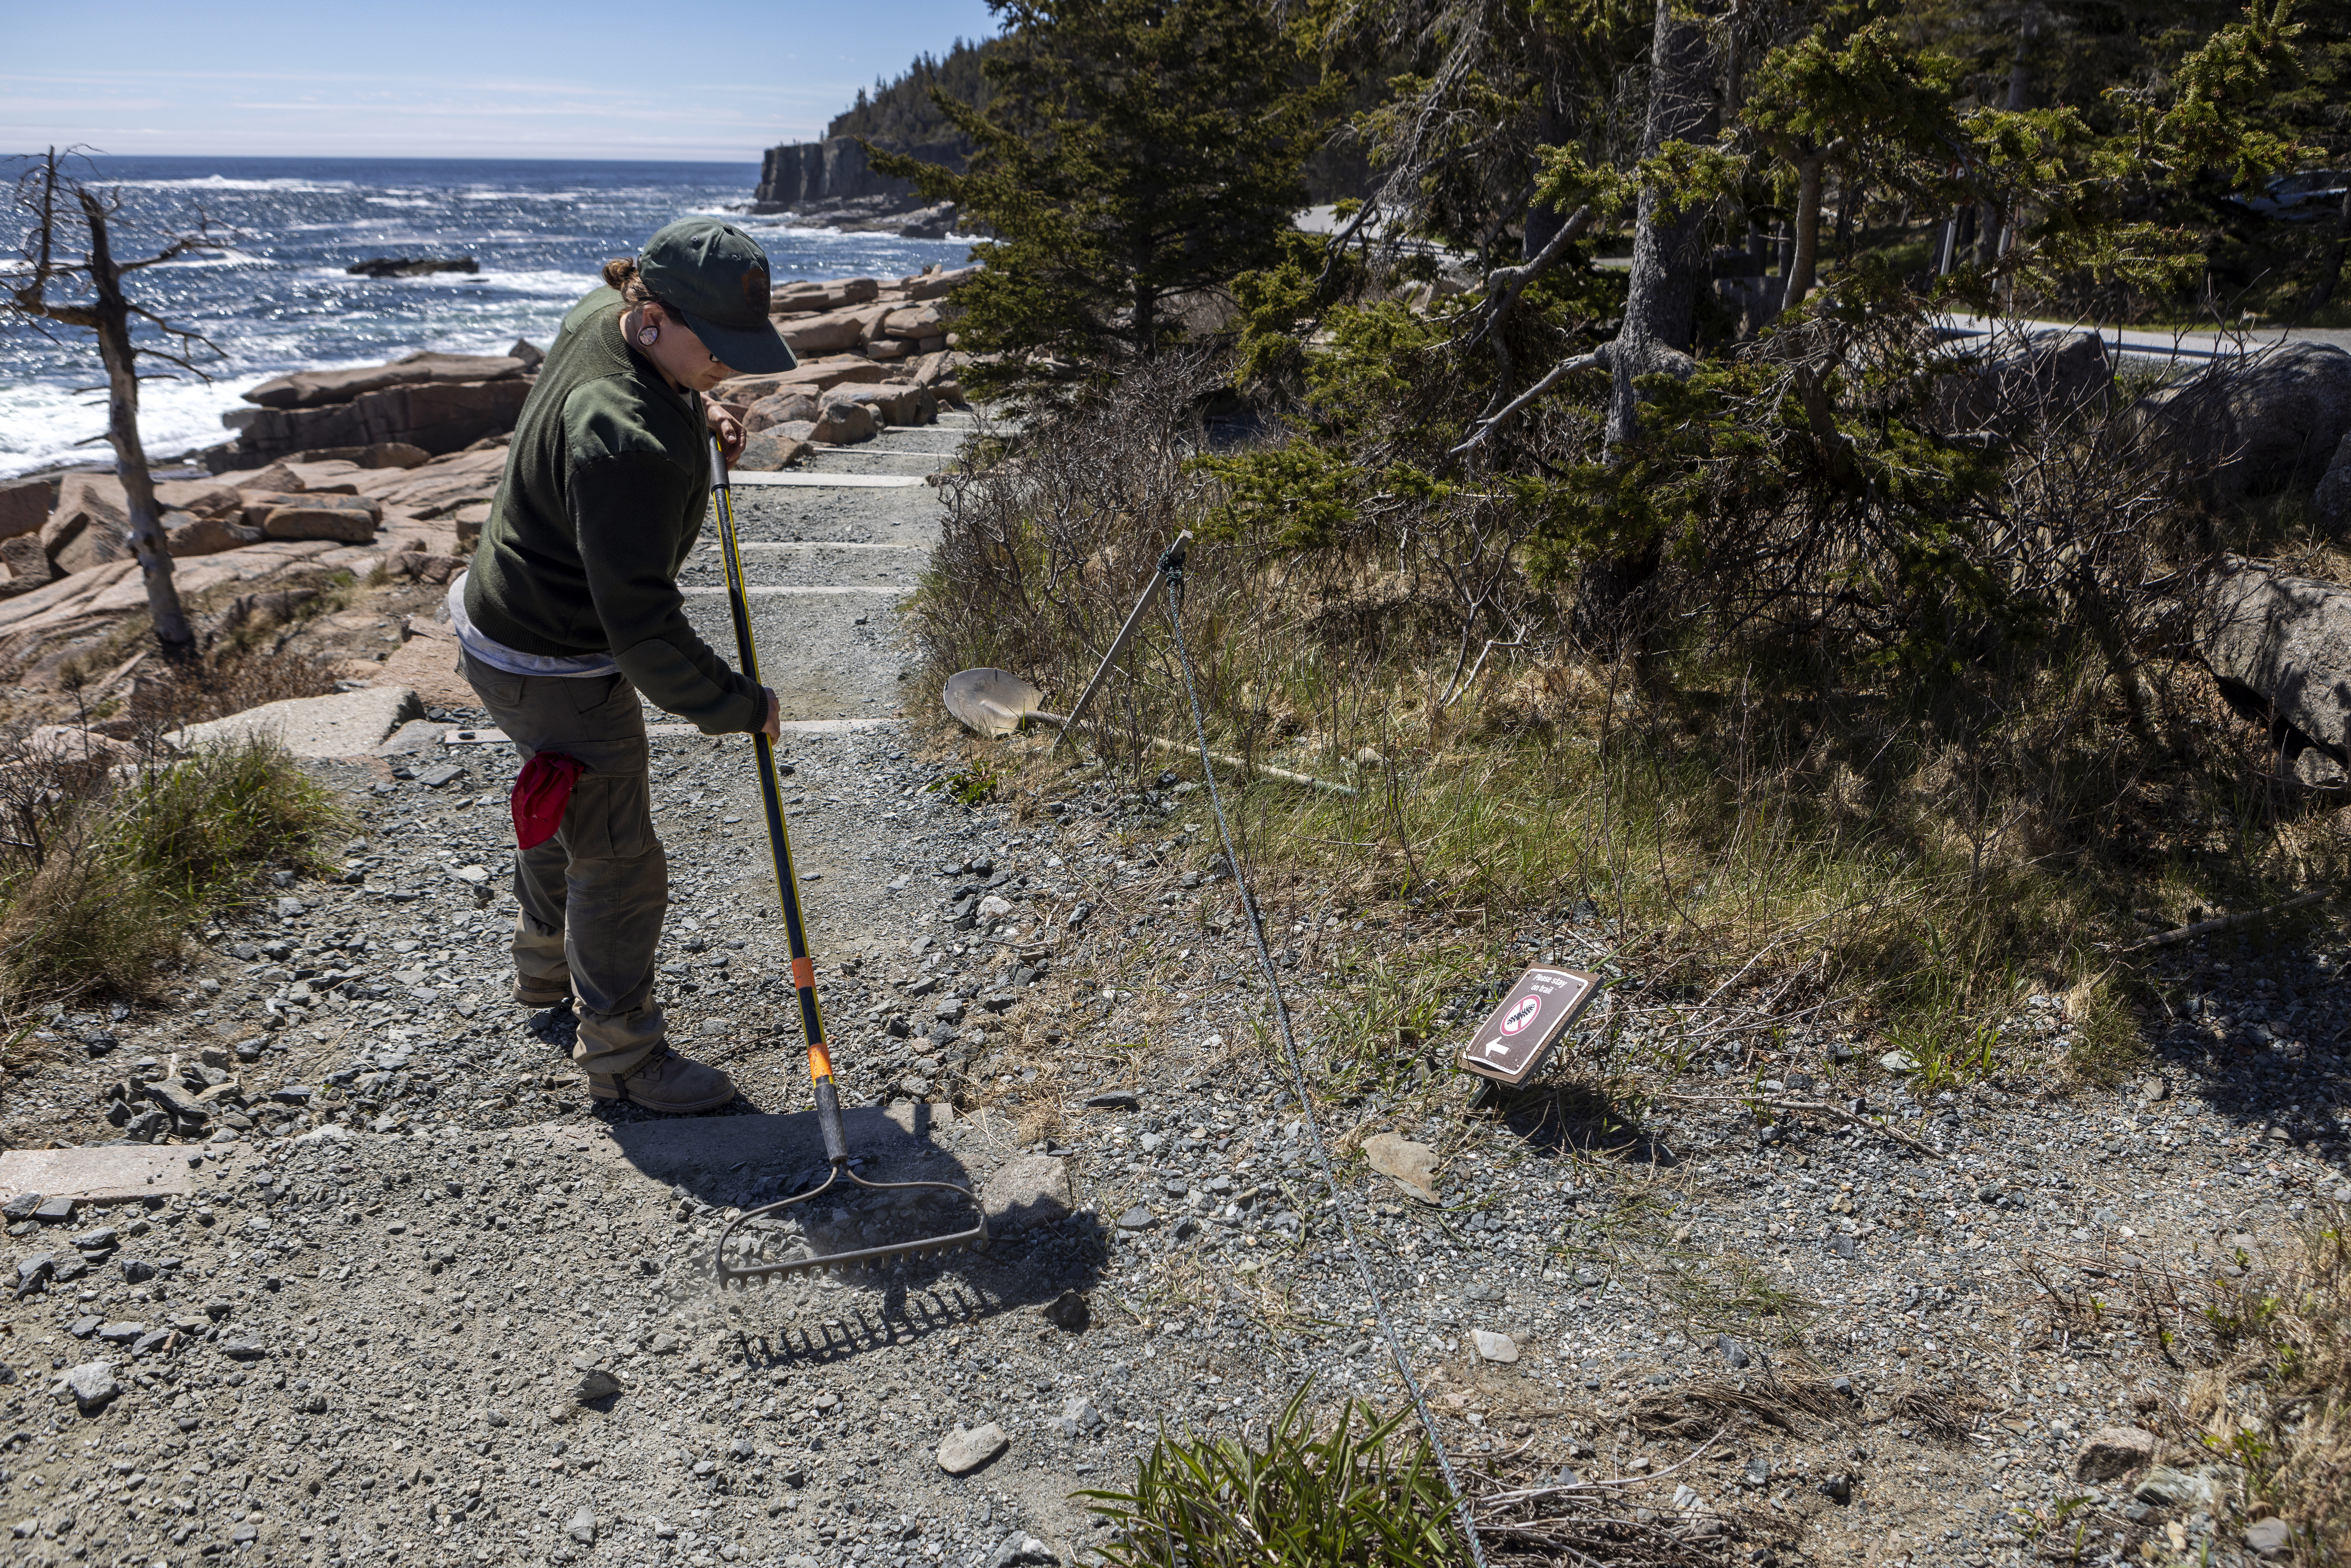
{"x": 1517, "y": 1037}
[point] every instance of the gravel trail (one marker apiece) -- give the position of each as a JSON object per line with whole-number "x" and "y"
{"x": 396, "y": 1291}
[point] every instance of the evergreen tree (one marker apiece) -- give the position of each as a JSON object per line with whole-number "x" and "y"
{"x": 1135, "y": 156}
{"x": 903, "y": 112}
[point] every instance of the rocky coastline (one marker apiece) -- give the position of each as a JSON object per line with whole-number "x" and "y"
{"x": 830, "y": 184}
{"x": 389, "y": 471}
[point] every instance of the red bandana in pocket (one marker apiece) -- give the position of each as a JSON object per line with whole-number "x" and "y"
{"x": 541, "y": 791}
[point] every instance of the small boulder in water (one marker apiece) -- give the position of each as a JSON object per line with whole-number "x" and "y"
{"x": 411, "y": 265}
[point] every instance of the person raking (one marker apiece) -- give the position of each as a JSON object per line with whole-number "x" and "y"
{"x": 569, "y": 611}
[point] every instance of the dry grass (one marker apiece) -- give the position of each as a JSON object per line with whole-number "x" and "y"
{"x": 1790, "y": 1399}
{"x": 244, "y": 662}
{"x": 1757, "y": 826}
{"x": 103, "y": 869}
{"x": 1601, "y": 1521}
{"x": 1937, "y": 1415}
{"x": 227, "y": 682}
{"x": 2279, "y": 1403}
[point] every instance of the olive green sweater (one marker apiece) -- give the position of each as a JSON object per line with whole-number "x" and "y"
{"x": 606, "y": 485}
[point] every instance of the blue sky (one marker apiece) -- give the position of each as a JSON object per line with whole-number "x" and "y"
{"x": 588, "y": 79}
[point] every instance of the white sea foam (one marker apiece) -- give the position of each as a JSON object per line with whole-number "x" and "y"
{"x": 222, "y": 183}
{"x": 43, "y": 425}
{"x": 273, "y": 292}
{"x": 224, "y": 256}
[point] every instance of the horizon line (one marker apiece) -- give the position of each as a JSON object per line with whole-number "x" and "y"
{"x": 81, "y": 150}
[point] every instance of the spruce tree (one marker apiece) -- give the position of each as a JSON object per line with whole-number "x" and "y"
{"x": 1135, "y": 156}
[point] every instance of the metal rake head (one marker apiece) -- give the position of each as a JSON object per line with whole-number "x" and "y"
{"x": 750, "y": 1266}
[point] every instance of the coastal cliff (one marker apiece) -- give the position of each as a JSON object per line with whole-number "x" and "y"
{"x": 829, "y": 182}
{"x": 803, "y": 174}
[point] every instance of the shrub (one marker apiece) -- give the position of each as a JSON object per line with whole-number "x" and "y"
{"x": 102, "y": 868}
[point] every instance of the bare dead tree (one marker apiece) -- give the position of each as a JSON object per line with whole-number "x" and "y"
{"x": 57, "y": 214}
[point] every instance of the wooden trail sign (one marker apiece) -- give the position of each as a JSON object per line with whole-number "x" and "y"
{"x": 1518, "y": 1036}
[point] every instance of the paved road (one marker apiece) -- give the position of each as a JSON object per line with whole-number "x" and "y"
{"x": 2142, "y": 343}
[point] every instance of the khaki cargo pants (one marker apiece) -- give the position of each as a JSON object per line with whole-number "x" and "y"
{"x": 594, "y": 895}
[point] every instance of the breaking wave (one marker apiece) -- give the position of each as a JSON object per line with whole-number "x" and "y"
{"x": 274, "y": 297}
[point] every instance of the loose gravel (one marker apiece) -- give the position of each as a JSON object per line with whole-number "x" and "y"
{"x": 419, "y": 1300}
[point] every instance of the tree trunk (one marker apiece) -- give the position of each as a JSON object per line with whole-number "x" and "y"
{"x": 1669, "y": 263}
{"x": 2331, "y": 267}
{"x": 1987, "y": 234}
{"x": 1805, "y": 261}
{"x": 2019, "y": 93}
{"x": 1668, "y": 259}
{"x": 148, "y": 542}
{"x": 1963, "y": 235}
{"x": 1146, "y": 314}
{"x": 1543, "y": 219}
{"x": 2020, "y": 73}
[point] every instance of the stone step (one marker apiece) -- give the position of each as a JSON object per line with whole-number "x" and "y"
{"x": 864, "y": 460}
{"x": 821, "y": 663}
{"x": 756, "y": 590}
{"x": 748, "y": 546}
{"x": 801, "y": 479}
{"x": 810, "y": 564}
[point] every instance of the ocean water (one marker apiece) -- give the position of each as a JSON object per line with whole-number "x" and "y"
{"x": 269, "y": 290}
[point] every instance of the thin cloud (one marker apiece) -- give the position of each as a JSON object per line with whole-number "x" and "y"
{"x": 209, "y": 99}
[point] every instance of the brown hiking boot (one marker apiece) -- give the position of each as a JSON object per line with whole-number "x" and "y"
{"x": 667, "y": 1083}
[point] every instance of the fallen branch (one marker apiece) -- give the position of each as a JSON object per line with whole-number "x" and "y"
{"x": 2231, "y": 921}
{"x": 1812, "y": 1107}
{"x": 1596, "y": 360}
{"x": 1537, "y": 1494}
{"x": 1224, "y": 759}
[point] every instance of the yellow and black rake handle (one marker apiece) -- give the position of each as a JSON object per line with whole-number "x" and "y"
{"x": 780, "y": 838}
{"x": 819, "y": 1053}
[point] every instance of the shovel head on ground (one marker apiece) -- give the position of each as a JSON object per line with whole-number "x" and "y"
{"x": 994, "y": 702}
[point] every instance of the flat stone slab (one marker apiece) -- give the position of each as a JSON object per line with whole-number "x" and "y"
{"x": 1412, "y": 1166}
{"x": 1028, "y": 1190}
{"x": 920, "y": 1118}
{"x": 757, "y": 590}
{"x": 1495, "y": 1347}
{"x": 831, "y": 481}
{"x": 791, "y": 726}
{"x": 418, "y": 735}
{"x": 108, "y": 1174}
{"x": 345, "y": 724}
{"x": 714, "y": 1158}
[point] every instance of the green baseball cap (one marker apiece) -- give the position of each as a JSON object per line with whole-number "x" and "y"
{"x": 716, "y": 276}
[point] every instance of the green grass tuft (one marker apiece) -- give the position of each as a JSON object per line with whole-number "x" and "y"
{"x": 102, "y": 873}
{"x": 1361, "y": 1490}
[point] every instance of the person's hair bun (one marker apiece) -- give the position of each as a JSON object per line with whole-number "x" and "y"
{"x": 620, "y": 273}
